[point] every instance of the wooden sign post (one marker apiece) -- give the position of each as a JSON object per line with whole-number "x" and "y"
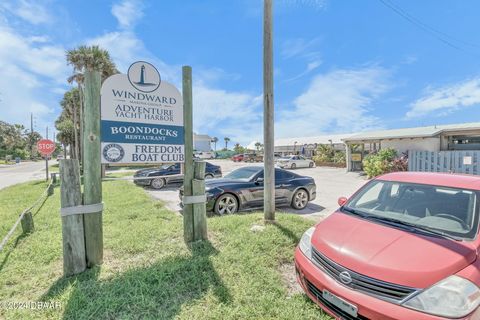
{"x": 194, "y": 211}
{"x": 92, "y": 179}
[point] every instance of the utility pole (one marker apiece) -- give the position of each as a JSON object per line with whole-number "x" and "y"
{"x": 268, "y": 114}
{"x": 31, "y": 136}
{"x": 46, "y": 158}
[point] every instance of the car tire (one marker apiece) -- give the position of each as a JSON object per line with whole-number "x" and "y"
{"x": 209, "y": 176}
{"x": 158, "y": 183}
{"x": 293, "y": 166}
{"x": 310, "y": 165}
{"x": 226, "y": 204}
{"x": 300, "y": 199}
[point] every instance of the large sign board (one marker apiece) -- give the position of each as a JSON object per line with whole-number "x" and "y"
{"x": 141, "y": 118}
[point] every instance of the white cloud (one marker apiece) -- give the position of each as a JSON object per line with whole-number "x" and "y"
{"x": 311, "y": 66}
{"x": 30, "y": 67}
{"x": 234, "y": 114}
{"x": 34, "y": 12}
{"x": 128, "y": 12}
{"x": 297, "y": 47}
{"x": 335, "y": 102}
{"x": 446, "y": 99}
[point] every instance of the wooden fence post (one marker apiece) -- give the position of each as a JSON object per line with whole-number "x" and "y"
{"x": 72, "y": 226}
{"x": 27, "y": 223}
{"x": 92, "y": 193}
{"x": 188, "y": 224}
{"x": 199, "y": 209}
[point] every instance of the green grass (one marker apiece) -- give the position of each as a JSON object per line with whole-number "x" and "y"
{"x": 148, "y": 271}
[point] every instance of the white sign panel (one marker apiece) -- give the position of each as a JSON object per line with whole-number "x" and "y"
{"x": 141, "y": 118}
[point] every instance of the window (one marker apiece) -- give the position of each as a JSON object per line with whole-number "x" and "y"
{"x": 451, "y": 210}
{"x": 282, "y": 175}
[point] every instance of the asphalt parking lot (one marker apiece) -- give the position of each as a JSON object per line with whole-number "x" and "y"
{"x": 332, "y": 183}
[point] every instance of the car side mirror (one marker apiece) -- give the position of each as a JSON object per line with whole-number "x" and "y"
{"x": 259, "y": 180}
{"x": 341, "y": 201}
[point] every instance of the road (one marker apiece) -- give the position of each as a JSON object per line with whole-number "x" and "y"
{"x": 332, "y": 183}
{"x": 22, "y": 172}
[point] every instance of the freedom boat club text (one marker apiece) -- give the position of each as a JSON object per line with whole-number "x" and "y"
{"x": 151, "y": 153}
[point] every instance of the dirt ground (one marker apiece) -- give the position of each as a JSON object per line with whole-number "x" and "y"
{"x": 332, "y": 183}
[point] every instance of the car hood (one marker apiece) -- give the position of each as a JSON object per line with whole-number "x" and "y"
{"x": 390, "y": 254}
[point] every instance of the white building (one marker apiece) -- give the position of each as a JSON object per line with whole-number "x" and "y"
{"x": 465, "y": 136}
{"x": 307, "y": 145}
{"x": 202, "y": 142}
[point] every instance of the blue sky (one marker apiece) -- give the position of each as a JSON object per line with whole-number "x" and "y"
{"x": 340, "y": 66}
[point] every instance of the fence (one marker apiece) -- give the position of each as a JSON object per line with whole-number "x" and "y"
{"x": 26, "y": 218}
{"x": 467, "y": 162}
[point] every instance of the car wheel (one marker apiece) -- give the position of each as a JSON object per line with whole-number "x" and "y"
{"x": 226, "y": 204}
{"x": 208, "y": 176}
{"x": 158, "y": 183}
{"x": 300, "y": 199}
{"x": 293, "y": 166}
{"x": 310, "y": 165}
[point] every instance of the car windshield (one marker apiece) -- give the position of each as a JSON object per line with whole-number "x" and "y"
{"x": 243, "y": 173}
{"x": 450, "y": 211}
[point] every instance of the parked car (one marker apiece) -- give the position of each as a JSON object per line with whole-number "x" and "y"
{"x": 294, "y": 161}
{"x": 252, "y": 157}
{"x": 243, "y": 189}
{"x": 204, "y": 155}
{"x": 172, "y": 169}
{"x": 405, "y": 246}
{"x": 237, "y": 157}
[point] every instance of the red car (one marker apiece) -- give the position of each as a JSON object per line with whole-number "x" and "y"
{"x": 237, "y": 158}
{"x": 405, "y": 246}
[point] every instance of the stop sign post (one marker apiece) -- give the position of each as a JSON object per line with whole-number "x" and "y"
{"x": 46, "y": 148}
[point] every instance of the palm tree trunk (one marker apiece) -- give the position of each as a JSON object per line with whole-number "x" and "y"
{"x": 80, "y": 93}
{"x": 75, "y": 133}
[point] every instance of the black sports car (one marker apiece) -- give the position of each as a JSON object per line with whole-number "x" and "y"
{"x": 243, "y": 189}
{"x": 173, "y": 170}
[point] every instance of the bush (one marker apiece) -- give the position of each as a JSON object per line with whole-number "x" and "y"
{"x": 340, "y": 157}
{"x": 383, "y": 162}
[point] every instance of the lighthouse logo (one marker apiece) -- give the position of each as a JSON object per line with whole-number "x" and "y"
{"x": 143, "y": 76}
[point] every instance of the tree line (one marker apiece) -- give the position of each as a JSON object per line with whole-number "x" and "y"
{"x": 69, "y": 122}
{"x": 16, "y": 141}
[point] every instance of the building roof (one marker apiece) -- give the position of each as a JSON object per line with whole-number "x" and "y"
{"x": 325, "y": 139}
{"x": 418, "y": 132}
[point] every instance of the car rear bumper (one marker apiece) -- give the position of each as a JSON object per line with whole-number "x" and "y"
{"x": 312, "y": 279}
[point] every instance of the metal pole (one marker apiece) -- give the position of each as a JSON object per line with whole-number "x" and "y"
{"x": 268, "y": 117}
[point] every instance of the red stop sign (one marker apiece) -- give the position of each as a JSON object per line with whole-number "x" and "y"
{"x": 45, "y": 147}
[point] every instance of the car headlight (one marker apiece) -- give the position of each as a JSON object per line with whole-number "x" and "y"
{"x": 453, "y": 297}
{"x": 305, "y": 244}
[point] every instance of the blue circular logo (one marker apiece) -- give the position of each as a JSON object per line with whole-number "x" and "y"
{"x": 143, "y": 76}
{"x": 113, "y": 152}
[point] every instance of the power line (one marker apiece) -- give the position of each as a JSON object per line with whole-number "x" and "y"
{"x": 439, "y": 35}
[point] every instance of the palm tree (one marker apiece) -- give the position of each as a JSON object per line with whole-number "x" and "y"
{"x": 91, "y": 58}
{"x": 215, "y": 140}
{"x": 227, "y": 139}
{"x": 71, "y": 106}
{"x": 258, "y": 145}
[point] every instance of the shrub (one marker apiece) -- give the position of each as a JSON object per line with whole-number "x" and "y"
{"x": 339, "y": 157}
{"x": 382, "y": 162}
